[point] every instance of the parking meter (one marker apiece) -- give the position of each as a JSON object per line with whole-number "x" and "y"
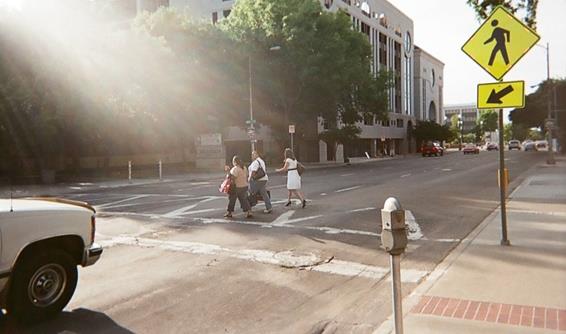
{"x": 393, "y": 233}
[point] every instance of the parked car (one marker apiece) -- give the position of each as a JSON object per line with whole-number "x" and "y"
{"x": 492, "y": 147}
{"x": 432, "y": 148}
{"x": 542, "y": 145}
{"x": 471, "y": 149}
{"x": 514, "y": 144}
{"x": 43, "y": 240}
{"x": 529, "y": 146}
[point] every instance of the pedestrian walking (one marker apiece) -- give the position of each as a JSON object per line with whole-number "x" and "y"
{"x": 239, "y": 176}
{"x": 293, "y": 177}
{"x": 258, "y": 180}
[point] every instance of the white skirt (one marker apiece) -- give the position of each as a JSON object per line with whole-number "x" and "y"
{"x": 293, "y": 180}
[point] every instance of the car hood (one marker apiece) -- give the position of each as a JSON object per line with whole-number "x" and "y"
{"x": 43, "y": 204}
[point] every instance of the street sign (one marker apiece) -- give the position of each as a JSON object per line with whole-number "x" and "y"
{"x": 501, "y": 95}
{"x": 291, "y": 128}
{"x": 500, "y": 42}
{"x": 250, "y": 121}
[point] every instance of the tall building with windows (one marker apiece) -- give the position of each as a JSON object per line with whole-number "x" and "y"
{"x": 468, "y": 113}
{"x": 429, "y": 83}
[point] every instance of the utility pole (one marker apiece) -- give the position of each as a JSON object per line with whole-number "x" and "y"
{"x": 548, "y": 124}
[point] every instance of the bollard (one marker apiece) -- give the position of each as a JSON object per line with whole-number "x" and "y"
{"x": 160, "y": 171}
{"x": 394, "y": 241}
{"x": 130, "y": 171}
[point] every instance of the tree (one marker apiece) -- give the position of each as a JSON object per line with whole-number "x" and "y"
{"x": 344, "y": 135}
{"x": 322, "y": 67}
{"x": 488, "y": 120}
{"x": 430, "y": 130}
{"x": 549, "y": 93}
{"x": 527, "y": 7}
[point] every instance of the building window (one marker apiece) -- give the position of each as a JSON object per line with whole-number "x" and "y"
{"x": 382, "y": 51}
{"x": 397, "y": 69}
{"x": 400, "y": 123}
{"x": 226, "y": 13}
{"x": 365, "y": 28}
{"x": 214, "y": 17}
{"x": 328, "y": 3}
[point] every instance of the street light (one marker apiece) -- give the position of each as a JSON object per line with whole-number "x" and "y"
{"x": 550, "y": 159}
{"x": 251, "y": 130}
{"x": 461, "y": 128}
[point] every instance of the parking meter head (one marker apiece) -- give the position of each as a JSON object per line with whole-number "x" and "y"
{"x": 393, "y": 231}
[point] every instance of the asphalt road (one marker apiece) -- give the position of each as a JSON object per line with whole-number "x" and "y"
{"x": 173, "y": 264}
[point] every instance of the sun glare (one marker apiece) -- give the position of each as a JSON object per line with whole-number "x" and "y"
{"x": 12, "y": 4}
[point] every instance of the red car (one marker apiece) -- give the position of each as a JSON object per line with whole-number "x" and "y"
{"x": 471, "y": 149}
{"x": 432, "y": 148}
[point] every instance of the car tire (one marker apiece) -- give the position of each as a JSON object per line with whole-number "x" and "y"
{"x": 42, "y": 286}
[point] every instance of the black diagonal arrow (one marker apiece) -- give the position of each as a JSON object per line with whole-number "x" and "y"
{"x": 496, "y": 97}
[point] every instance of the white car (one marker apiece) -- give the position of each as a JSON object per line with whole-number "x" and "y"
{"x": 42, "y": 240}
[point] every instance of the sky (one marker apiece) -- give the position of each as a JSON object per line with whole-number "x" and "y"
{"x": 441, "y": 27}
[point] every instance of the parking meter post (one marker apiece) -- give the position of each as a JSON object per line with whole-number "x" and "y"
{"x": 394, "y": 241}
{"x": 130, "y": 171}
{"x": 160, "y": 171}
{"x": 395, "y": 261}
{"x": 502, "y": 186}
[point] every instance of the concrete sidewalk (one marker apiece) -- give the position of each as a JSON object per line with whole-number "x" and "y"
{"x": 482, "y": 287}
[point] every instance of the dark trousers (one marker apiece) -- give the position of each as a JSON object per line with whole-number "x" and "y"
{"x": 258, "y": 187}
{"x": 242, "y": 195}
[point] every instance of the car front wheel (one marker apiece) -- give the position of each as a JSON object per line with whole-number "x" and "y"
{"x": 42, "y": 286}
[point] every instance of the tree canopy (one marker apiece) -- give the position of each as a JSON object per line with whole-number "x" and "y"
{"x": 526, "y": 8}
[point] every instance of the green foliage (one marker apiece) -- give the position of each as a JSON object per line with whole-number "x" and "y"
{"x": 430, "y": 130}
{"x": 321, "y": 69}
{"x": 488, "y": 120}
{"x": 549, "y": 93}
{"x": 528, "y": 8}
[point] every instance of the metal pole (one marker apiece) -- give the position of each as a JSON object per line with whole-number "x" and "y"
{"x": 130, "y": 171}
{"x": 395, "y": 261}
{"x": 252, "y": 140}
{"x": 160, "y": 171}
{"x": 550, "y": 159}
{"x": 502, "y": 182}
{"x": 292, "y": 143}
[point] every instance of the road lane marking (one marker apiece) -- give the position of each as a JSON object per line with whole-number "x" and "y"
{"x": 349, "y": 174}
{"x": 323, "y": 194}
{"x": 405, "y": 175}
{"x": 347, "y": 189}
{"x": 324, "y": 229}
{"x": 283, "y": 218}
{"x": 447, "y": 169}
{"x": 111, "y": 204}
{"x": 286, "y": 259}
{"x": 278, "y": 186}
{"x": 414, "y": 230}
{"x": 183, "y": 210}
{"x": 362, "y": 209}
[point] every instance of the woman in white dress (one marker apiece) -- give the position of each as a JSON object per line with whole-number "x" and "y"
{"x": 293, "y": 177}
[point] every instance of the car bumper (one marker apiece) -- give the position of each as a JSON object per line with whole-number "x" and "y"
{"x": 91, "y": 254}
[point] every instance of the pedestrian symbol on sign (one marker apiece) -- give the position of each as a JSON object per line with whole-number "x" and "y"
{"x": 501, "y": 37}
{"x": 500, "y": 42}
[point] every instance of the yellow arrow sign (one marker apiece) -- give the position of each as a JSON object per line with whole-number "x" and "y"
{"x": 500, "y": 42}
{"x": 501, "y": 95}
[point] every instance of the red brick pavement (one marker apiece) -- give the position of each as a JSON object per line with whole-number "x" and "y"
{"x": 516, "y": 315}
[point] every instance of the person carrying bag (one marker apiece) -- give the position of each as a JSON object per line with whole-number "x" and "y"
{"x": 258, "y": 181}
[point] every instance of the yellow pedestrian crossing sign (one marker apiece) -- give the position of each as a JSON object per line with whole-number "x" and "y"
{"x": 509, "y": 94}
{"x": 500, "y": 42}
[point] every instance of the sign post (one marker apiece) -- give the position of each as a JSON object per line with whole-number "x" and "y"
{"x": 292, "y": 132}
{"x": 496, "y": 46}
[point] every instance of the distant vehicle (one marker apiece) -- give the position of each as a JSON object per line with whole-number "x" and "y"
{"x": 529, "y": 146}
{"x": 514, "y": 144}
{"x": 492, "y": 147}
{"x": 432, "y": 148}
{"x": 471, "y": 149}
{"x": 541, "y": 145}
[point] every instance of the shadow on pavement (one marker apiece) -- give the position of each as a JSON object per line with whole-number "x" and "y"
{"x": 79, "y": 321}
